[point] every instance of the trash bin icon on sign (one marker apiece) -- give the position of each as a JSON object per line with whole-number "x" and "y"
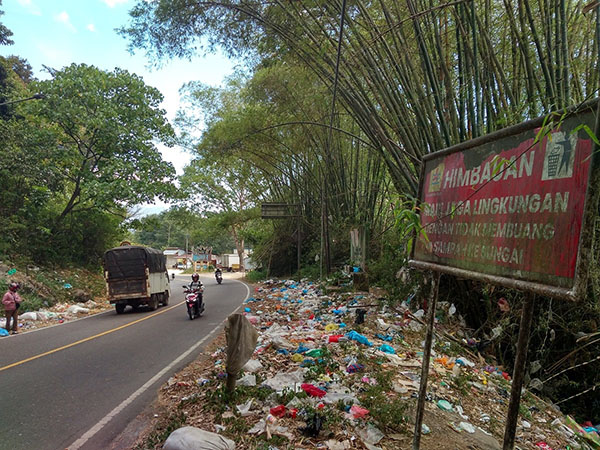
{"x": 559, "y": 156}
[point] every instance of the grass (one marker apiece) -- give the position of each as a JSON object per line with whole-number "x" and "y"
{"x": 218, "y": 399}
{"x": 324, "y": 364}
{"x": 255, "y": 276}
{"x": 161, "y": 433}
{"x": 461, "y": 382}
{"x": 388, "y": 410}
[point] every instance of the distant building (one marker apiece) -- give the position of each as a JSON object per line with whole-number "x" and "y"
{"x": 175, "y": 256}
{"x": 232, "y": 260}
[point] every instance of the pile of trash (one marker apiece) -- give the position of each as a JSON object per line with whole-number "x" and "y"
{"x": 342, "y": 370}
{"x": 59, "y": 313}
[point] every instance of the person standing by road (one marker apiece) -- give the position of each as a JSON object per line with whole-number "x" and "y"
{"x": 11, "y": 302}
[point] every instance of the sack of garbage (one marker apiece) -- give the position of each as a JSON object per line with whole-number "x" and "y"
{"x": 241, "y": 340}
{"x": 191, "y": 438}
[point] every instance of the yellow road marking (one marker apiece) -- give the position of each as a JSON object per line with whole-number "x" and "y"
{"x": 18, "y": 363}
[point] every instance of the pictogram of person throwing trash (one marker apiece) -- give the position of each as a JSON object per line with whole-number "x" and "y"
{"x": 566, "y": 155}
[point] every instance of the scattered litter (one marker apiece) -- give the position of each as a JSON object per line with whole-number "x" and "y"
{"x": 370, "y": 434}
{"x": 75, "y": 309}
{"x": 313, "y": 425}
{"x": 503, "y": 305}
{"x": 467, "y": 427}
{"x": 288, "y": 380}
{"x": 444, "y": 405}
{"x": 244, "y": 409}
{"x": 386, "y": 349}
{"x": 354, "y": 336}
{"x": 317, "y": 367}
{"x": 312, "y": 390}
{"x": 253, "y": 365}
{"x": 247, "y": 380}
{"x": 191, "y": 437}
{"x": 358, "y": 412}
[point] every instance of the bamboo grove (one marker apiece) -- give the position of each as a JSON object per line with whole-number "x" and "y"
{"x": 414, "y": 76}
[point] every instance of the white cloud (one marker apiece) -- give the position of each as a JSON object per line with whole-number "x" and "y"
{"x": 91, "y": 27}
{"x": 113, "y": 3}
{"x": 31, "y": 7}
{"x": 63, "y": 18}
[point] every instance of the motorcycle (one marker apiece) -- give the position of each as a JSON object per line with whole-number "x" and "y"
{"x": 194, "y": 302}
{"x": 219, "y": 277}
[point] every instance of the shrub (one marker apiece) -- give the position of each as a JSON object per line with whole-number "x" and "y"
{"x": 255, "y": 276}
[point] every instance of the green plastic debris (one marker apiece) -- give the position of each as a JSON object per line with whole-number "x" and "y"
{"x": 444, "y": 405}
{"x": 12, "y": 271}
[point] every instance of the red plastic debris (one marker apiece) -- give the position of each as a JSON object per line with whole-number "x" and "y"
{"x": 312, "y": 390}
{"x": 335, "y": 338}
{"x": 278, "y": 411}
{"x": 503, "y": 305}
{"x": 358, "y": 411}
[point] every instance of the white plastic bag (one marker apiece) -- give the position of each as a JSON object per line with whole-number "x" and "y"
{"x": 191, "y": 438}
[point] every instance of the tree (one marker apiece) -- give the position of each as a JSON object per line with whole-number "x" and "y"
{"x": 224, "y": 188}
{"x": 106, "y": 126}
{"x": 266, "y": 122}
{"x": 415, "y": 75}
{"x": 5, "y": 33}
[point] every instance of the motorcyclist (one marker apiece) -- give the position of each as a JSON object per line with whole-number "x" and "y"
{"x": 196, "y": 286}
{"x": 218, "y": 273}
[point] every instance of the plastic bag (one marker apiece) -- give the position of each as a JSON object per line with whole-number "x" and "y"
{"x": 247, "y": 380}
{"x": 358, "y": 411}
{"x": 191, "y": 438}
{"x": 312, "y": 390}
{"x": 387, "y": 349}
{"x": 353, "y": 335}
{"x": 370, "y": 435}
{"x": 252, "y": 365}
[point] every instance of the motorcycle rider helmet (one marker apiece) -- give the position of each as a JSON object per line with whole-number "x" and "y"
{"x": 195, "y": 277}
{"x": 13, "y": 286}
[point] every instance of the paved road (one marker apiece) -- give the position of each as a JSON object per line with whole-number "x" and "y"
{"x": 79, "y": 384}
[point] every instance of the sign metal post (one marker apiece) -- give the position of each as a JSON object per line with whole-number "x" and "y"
{"x": 435, "y": 284}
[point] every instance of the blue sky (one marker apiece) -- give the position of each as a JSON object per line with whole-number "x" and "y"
{"x": 57, "y": 33}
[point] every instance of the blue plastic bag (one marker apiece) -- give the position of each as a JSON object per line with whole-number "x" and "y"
{"x": 387, "y": 349}
{"x": 386, "y": 337}
{"x": 353, "y": 335}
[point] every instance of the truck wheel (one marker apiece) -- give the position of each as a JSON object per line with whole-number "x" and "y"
{"x": 120, "y": 307}
{"x": 153, "y": 303}
{"x": 165, "y": 298}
